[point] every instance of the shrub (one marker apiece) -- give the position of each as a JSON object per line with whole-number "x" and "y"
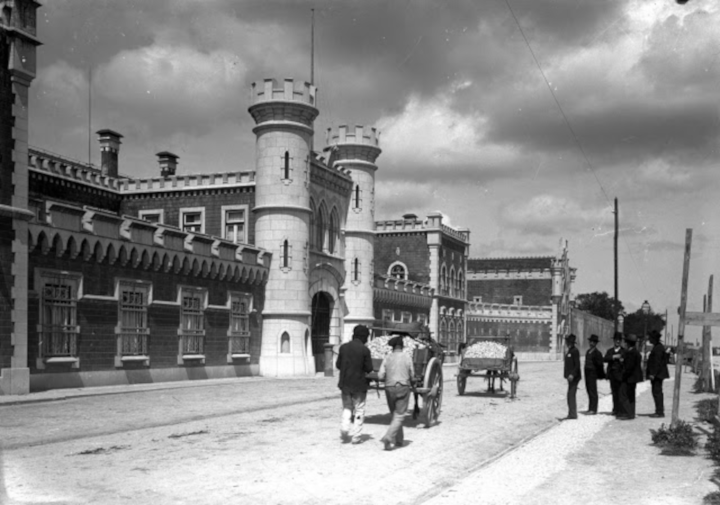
{"x": 677, "y": 439}
{"x": 707, "y": 409}
{"x": 712, "y": 446}
{"x": 712, "y": 498}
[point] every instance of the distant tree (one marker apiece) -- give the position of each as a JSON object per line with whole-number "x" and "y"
{"x": 635, "y": 323}
{"x": 600, "y": 304}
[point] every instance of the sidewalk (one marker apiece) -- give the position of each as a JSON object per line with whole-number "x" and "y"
{"x": 599, "y": 460}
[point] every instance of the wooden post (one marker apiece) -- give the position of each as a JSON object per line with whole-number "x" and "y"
{"x": 615, "y": 243}
{"x": 706, "y": 370}
{"x": 681, "y": 327}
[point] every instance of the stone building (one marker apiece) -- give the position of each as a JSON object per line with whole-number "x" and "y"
{"x": 527, "y": 298}
{"x": 110, "y": 280}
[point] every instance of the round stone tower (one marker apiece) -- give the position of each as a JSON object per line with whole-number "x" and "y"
{"x": 284, "y": 116}
{"x": 356, "y": 150}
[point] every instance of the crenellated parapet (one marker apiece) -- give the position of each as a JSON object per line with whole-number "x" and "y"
{"x": 347, "y": 145}
{"x": 290, "y": 102}
{"x": 186, "y": 182}
{"x": 40, "y": 161}
{"x": 98, "y": 235}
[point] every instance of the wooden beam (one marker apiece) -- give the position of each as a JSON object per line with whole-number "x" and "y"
{"x": 681, "y": 328}
{"x": 702, "y": 319}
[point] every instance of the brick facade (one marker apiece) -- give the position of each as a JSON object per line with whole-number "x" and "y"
{"x": 410, "y": 248}
{"x": 533, "y": 291}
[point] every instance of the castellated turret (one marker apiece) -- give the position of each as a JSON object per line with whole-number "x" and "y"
{"x": 356, "y": 150}
{"x": 284, "y": 114}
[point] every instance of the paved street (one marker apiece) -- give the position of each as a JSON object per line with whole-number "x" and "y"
{"x": 276, "y": 441}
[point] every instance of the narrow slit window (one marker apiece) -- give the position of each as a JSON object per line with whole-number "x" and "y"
{"x": 286, "y": 167}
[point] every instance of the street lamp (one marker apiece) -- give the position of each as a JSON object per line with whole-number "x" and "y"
{"x": 646, "y": 311}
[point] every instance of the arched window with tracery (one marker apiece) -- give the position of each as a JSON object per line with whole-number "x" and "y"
{"x": 333, "y": 232}
{"x": 443, "y": 332}
{"x": 443, "y": 280}
{"x": 461, "y": 284}
{"x": 320, "y": 227}
{"x": 312, "y": 224}
{"x": 452, "y": 284}
{"x": 452, "y": 340}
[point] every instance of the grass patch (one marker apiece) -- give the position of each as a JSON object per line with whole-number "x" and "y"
{"x": 712, "y": 498}
{"x": 102, "y": 450}
{"x": 188, "y": 434}
{"x": 707, "y": 409}
{"x": 675, "y": 440}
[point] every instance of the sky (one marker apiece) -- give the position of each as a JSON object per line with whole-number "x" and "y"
{"x": 521, "y": 120}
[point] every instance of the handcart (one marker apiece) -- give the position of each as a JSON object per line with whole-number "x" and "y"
{"x": 489, "y": 357}
{"x": 428, "y": 358}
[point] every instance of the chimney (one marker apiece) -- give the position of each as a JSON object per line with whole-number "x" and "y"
{"x": 409, "y": 217}
{"x": 109, "y": 147}
{"x": 168, "y": 163}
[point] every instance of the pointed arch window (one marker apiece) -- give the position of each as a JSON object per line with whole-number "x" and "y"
{"x": 333, "y": 232}
{"x": 313, "y": 217}
{"x": 461, "y": 284}
{"x": 356, "y": 271}
{"x": 357, "y": 198}
{"x": 285, "y": 255}
{"x": 320, "y": 225}
{"x": 286, "y": 166}
{"x": 443, "y": 280}
{"x": 453, "y": 282}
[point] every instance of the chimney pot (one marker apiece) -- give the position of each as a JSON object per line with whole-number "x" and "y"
{"x": 109, "y": 148}
{"x": 168, "y": 163}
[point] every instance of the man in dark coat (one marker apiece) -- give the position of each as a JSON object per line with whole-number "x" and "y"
{"x": 614, "y": 358}
{"x": 354, "y": 362}
{"x": 593, "y": 371}
{"x": 572, "y": 375}
{"x": 657, "y": 371}
{"x": 632, "y": 374}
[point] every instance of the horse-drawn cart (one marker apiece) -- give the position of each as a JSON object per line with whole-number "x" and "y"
{"x": 427, "y": 356}
{"x": 491, "y": 358}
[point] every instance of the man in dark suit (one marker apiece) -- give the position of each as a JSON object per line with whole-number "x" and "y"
{"x": 354, "y": 362}
{"x": 593, "y": 371}
{"x": 657, "y": 371}
{"x": 572, "y": 375}
{"x": 614, "y": 358}
{"x": 632, "y": 374}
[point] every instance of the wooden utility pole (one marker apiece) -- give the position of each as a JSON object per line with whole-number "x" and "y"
{"x": 615, "y": 305}
{"x": 681, "y": 327}
{"x": 706, "y": 371}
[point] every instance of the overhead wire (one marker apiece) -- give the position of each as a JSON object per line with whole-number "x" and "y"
{"x": 572, "y": 131}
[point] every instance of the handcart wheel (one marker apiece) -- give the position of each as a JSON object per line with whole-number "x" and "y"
{"x": 432, "y": 400}
{"x": 461, "y": 383}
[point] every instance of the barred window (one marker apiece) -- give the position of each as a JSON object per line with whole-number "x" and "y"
{"x": 239, "y": 332}
{"x": 59, "y": 317}
{"x": 235, "y": 225}
{"x": 133, "y": 321}
{"x": 192, "y": 320}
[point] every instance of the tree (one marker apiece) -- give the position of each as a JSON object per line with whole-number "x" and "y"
{"x": 599, "y": 304}
{"x": 635, "y": 323}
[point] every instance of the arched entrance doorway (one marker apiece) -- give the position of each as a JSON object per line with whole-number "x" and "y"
{"x": 320, "y": 335}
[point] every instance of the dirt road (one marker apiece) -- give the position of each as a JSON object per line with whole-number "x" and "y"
{"x": 260, "y": 441}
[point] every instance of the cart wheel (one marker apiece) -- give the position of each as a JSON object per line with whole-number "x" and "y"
{"x": 514, "y": 378}
{"x": 461, "y": 382}
{"x": 432, "y": 400}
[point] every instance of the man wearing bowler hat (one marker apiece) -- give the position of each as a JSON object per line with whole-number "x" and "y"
{"x": 632, "y": 374}
{"x": 593, "y": 371}
{"x": 614, "y": 358}
{"x": 572, "y": 375}
{"x": 657, "y": 371}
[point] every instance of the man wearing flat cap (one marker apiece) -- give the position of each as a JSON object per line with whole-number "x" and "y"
{"x": 632, "y": 374}
{"x": 614, "y": 358}
{"x": 397, "y": 372}
{"x": 657, "y": 371}
{"x": 593, "y": 371}
{"x": 354, "y": 362}
{"x": 572, "y": 375}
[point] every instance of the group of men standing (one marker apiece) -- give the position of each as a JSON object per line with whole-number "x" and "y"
{"x": 624, "y": 371}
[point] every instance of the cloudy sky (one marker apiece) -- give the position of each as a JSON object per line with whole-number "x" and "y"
{"x": 524, "y": 143}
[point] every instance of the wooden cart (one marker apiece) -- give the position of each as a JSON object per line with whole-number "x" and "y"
{"x": 505, "y": 368}
{"x": 427, "y": 365}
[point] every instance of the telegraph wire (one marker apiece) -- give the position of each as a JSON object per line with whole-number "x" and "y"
{"x": 572, "y": 131}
